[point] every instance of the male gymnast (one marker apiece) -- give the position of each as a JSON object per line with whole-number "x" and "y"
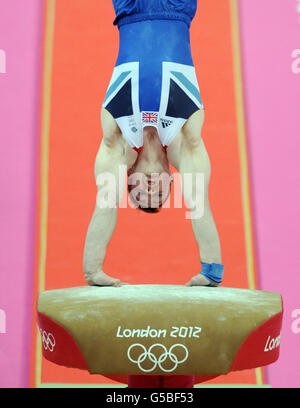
{"x": 152, "y": 116}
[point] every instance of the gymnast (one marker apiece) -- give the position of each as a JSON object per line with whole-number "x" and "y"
{"x": 152, "y": 117}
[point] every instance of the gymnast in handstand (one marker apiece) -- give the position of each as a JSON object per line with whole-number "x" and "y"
{"x": 152, "y": 116}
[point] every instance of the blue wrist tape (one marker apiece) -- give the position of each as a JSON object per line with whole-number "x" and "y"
{"x": 212, "y": 271}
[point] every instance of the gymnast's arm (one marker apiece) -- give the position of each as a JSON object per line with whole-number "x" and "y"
{"x": 110, "y": 183}
{"x": 193, "y": 161}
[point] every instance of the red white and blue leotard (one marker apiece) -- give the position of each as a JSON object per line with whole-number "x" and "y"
{"x": 154, "y": 81}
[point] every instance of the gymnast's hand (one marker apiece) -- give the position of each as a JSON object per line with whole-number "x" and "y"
{"x": 200, "y": 280}
{"x": 99, "y": 278}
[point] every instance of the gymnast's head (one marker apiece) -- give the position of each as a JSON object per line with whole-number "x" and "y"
{"x": 149, "y": 179}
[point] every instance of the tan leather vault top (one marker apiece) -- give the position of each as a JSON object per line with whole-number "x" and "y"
{"x": 159, "y": 329}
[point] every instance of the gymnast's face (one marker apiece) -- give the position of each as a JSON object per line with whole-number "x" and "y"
{"x": 149, "y": 179}
{"x": 149, "y": 190}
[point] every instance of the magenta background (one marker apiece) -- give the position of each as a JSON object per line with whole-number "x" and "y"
{"x": 270, "y": 31}
{"x": 20, "y": 34}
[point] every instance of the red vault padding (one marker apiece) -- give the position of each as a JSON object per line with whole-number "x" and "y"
{"x": 261, "y": 347}
{"x": 52, "y": 335}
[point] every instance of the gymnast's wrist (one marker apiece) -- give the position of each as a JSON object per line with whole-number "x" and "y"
{"x": 212, "y": 271}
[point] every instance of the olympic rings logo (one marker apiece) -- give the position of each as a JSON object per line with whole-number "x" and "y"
{"x": 48, "y": 340}
{"x": 157, "y": 361}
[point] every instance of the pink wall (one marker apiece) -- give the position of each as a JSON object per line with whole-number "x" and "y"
{"x": 270, "y": 32}
{"x": 20, "y": 35}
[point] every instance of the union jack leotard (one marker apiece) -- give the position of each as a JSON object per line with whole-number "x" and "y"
{"x": 154, "y": 81}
